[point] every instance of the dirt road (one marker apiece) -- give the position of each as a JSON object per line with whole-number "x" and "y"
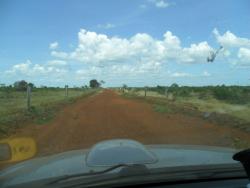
{"x": 108, "y": 115}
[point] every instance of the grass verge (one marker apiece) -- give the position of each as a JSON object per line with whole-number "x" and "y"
{"x": 191, "y": 108}
{"x": 43, "y": 109}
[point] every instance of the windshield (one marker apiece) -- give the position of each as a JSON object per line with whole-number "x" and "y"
{"x": 165, "y": 73}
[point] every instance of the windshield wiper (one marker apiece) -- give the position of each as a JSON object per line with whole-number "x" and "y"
{"x": 139, "y": 173}
{"x": 127, "y": 170}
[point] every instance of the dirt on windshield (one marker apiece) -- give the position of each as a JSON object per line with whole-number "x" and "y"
{"x": 108, "y": 115}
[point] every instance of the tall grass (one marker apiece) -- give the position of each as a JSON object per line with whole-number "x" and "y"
{"x": 204, "y": 100}
{"x": 44, "y": 104}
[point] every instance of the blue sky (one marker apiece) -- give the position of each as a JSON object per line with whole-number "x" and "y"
{"x": 139, "y": 42}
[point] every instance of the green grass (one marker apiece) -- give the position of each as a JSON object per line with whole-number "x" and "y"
{"x": 221, "y": 112}
{"x": 45, "y": 103}
{"x": 209, "y": 104}
{"x": 221, "y": 107}
{"x": 239, "y": 143}
{"x": 161, "y": 108}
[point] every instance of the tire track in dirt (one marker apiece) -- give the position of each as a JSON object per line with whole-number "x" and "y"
{"x": 108, "y": 115}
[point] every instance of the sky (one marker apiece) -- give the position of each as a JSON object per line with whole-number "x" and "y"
{"x": 133, "y": 42}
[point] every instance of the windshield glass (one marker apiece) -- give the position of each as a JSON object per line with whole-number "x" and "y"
{"x": 165, "y": 73}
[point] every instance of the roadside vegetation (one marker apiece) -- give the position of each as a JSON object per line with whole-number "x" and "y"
{"x": 224, "y": 105}
{"x": 45, "y": 103}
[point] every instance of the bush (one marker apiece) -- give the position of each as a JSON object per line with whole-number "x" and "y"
{"x": 232, "y": 94}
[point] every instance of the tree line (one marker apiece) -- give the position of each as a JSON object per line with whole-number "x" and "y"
{"x": 231, "y": 94}
{"x": 22, "y": 85}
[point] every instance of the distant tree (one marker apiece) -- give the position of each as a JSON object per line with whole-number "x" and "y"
{"x": 124, "y": 86}
{"x": 31, "y": 85}
{"x": 94, "y": 83}
{"x": 173, "y": 88}
{"x": 20, "y": 85}
{"x": 174, "y": 85}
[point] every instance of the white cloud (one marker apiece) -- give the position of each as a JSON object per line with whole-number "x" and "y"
{"x": 244, "y": 56}
{"x": 235, "y": 49}
{"x": 106, "y": 26}
{"x": 230, "y": 40}
{"x": 185, "y": 74}
{"x": 97, "y": 48}
{"x": 137, "y": 58}
{"x": 57, "y": 63}
{"x": 34, "y": 70}
{"x": 159, "y": 3}
{"x": 195, "y": 53}
{"x": 22, "y": 68}
{"x": 62, "y": 55}
{"x": 88, "y": 72}
{"x": 139, "y": 68}
{"x": 53, "y": 45}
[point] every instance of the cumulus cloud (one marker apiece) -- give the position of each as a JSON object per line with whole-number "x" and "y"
{"x": 53, "y": 45}
{"x": 195, "y": 53}
{"x": 185, "y": 74}
{"x": 22, "y": 68}
{"x": 97, "y": 48}
{"x": 135, "y": 69}
{"x": 244, "y": 56}
{"x": 236, "y": 49}
{"x": 228, "y": 39}
{"x": 62, "y": 55}
{"x": 88, "y": 72}
{"x": 29, "y": 69}
{"x": 107, "y": 57}
{"x": 57, "y": 63}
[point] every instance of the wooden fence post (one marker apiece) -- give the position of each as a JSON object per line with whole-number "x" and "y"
{"x": 166, "y": 92}
{"x": 28, "y": 96}
{"x": 66, "y": 90}
{"x": 145, "y": 94}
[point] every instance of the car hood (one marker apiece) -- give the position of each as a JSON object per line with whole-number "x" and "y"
{"x": 74, "y": 162}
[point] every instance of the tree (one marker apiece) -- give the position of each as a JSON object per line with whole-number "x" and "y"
{"x": 124, "y": 86}
{"x": 31, "y": 85}
{"x": 94, "y": 83}
{"x": 174, "y": 85}
{"x": 21, "y": 85}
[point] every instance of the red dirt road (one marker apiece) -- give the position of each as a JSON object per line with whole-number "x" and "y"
{"x": 108, "y": 115}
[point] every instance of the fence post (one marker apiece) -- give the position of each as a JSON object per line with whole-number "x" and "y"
{"x": 145, "y": 90}
{"x": 166, "y": 92}
{"x": 66, "y": 90}
{"x": 28, "y": 96}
